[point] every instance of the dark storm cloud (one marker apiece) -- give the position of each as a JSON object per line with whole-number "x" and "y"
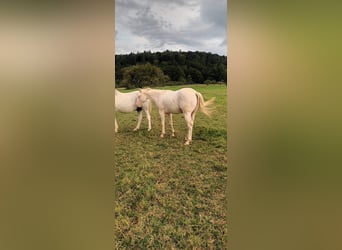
{"x": 160, "y": 23}
{"x": 214, "y": 13}
{"x": 156, "y": 30}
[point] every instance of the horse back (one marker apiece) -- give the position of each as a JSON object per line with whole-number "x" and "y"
{"x": 179, "y": 101}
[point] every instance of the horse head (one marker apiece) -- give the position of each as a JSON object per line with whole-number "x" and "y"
{"x": 142, "y": 97}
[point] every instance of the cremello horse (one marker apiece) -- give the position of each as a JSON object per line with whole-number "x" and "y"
{"x": 126, "y": 102}
{"x": 185, "y": 100}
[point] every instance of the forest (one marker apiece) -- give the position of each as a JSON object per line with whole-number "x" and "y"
{"x": 177, "y": 67}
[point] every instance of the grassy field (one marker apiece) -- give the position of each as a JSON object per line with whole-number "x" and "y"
{"x": 168, "y": 195}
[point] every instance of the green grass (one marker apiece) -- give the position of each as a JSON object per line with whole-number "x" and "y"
{"x": 168, "y": 195}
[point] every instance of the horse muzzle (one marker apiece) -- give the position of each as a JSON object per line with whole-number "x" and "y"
{"x": 139, "y": 103}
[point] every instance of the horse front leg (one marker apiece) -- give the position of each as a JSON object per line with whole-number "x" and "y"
{"x": 162, "y": 118}
{"x": 148, "y": 115}
{"x": 189, "y": 123}
{"x": 171, "y": 125}
{"x": 116, "y": 127}
{"x": 139, "y": 121}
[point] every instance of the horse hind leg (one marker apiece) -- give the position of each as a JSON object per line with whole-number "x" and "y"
{"x": 116, "y": 127}
{"x": 139, "y": 121}
{"x": 193, "y": 115}
{"x": 189, "y": 122}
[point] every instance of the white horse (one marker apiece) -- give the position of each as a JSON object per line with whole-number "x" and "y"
{"x": 126, "y": 103}
{"x": 185, "y": 100}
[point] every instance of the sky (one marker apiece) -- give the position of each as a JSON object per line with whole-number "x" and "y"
{"x": 158, "y": 25}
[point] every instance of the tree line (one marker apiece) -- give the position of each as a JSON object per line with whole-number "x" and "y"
{"x": 169, "y": 67}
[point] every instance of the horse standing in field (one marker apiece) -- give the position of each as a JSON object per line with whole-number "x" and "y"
{"x": 126, "y": 103}
{"x": 186, "y": 100}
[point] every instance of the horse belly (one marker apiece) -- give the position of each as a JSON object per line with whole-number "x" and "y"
{"x": 172, "y": 107}
{"x": 125, "y": 107}
{"x": 173, "y": 110}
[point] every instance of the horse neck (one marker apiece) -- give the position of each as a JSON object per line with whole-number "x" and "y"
{"x": 155, "y": 93}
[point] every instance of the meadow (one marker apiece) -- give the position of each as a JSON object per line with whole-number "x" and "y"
{"x": 168, "y": 195}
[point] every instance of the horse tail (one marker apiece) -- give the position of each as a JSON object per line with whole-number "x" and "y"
{"x": 204, "y": 106}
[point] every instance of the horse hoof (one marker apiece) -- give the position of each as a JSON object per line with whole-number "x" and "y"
{"x": 187, "y": 143}
{"x": 149, "y": 130}
{"x": 135, "y": 129}
{"x": 162, "y": 136}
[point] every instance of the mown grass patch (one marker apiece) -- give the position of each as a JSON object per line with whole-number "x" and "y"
{"x": 171, "y": 196}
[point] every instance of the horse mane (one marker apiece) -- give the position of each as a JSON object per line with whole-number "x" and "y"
{"x": 142, "y": 89}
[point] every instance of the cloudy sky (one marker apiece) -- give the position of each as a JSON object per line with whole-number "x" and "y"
{"x": 158, "y": 25}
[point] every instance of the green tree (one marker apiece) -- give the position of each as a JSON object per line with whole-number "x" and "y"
{"x": 139, "y": 76}
{"x": 174, "y": 72}
{"x": 196, "y": 75}
{"x": 180, "y": 66}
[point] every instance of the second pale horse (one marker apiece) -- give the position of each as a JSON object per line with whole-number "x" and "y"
{"x": 126, "y": 103}
{"x": 186, "y": 100}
